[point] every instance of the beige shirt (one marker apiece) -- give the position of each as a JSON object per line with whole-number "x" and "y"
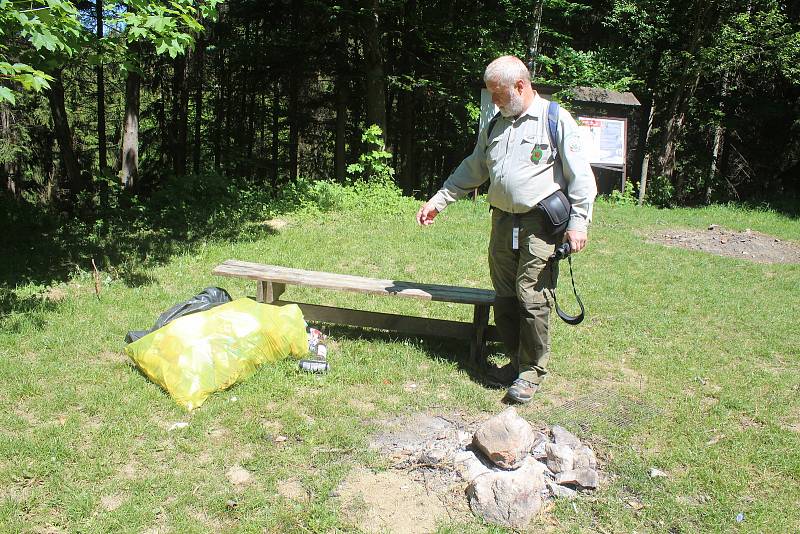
{"x": 517, "y": 160}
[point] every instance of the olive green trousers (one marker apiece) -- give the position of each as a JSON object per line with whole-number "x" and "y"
{"x": 522, "y": 279}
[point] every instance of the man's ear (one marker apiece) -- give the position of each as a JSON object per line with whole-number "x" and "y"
{"x": 519, "y": 85}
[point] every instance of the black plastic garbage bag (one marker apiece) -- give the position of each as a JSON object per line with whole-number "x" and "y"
{"x": 210, "y": 297}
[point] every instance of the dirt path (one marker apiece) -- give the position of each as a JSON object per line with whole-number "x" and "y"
{"x": 748, "y": 245}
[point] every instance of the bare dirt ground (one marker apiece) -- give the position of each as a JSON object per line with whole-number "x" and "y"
{"x": 420, "y": 489}
{"x": 748, "y": 245}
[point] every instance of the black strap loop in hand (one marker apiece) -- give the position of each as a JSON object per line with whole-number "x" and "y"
{"x": 569, "y": 319}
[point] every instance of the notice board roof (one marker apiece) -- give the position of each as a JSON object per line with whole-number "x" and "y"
{"x": 603, "y": 96}
{"x": 590, "y": 94}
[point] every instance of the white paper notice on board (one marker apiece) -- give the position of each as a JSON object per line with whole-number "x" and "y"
{"x": 604, "y": 139}
{"x": 488, "y": 110}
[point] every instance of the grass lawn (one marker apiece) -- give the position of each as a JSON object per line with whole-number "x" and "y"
{"x": 687, "y": 362}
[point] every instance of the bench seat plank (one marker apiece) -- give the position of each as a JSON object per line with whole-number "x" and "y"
{"x": 357, "y": 284}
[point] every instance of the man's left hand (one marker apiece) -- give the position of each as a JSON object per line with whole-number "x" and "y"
{"x": 576, "y": 238}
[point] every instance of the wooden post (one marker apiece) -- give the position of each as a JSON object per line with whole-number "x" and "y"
{"x": 269, "y": 292}
{"x": 480, "y": 324}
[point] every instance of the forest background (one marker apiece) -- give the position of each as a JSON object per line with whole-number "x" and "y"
{"x": 137, "y": 104}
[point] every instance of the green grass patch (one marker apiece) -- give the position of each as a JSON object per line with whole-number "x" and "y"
{"x": 687, "y": 362}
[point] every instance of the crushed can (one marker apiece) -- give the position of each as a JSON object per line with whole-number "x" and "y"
{"x": 315, "y": 366}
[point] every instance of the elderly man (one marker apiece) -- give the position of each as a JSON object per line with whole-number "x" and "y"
{"x": 515, "y": 152}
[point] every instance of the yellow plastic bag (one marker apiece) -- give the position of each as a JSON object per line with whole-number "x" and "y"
{"x": 198, "y": 354}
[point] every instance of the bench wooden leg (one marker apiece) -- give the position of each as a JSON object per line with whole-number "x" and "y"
{"x": 480, "y": 324}
{"x": 269, "y": 292}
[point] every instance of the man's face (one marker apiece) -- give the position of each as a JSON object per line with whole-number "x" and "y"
{"x": 507, "y": 97}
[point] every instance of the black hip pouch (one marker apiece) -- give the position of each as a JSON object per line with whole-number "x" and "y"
{"x": 557, "y": 209}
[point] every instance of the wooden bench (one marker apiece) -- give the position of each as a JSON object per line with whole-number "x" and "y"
{"x": 272, "y": 281}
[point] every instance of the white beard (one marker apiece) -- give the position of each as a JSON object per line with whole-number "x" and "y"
{"x": 514, "y": 107}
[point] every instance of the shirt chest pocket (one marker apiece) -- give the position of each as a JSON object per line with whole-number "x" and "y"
{"x": 533, "y": 150}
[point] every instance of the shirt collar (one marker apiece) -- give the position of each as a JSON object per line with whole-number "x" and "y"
{"x": 532, "y": 110}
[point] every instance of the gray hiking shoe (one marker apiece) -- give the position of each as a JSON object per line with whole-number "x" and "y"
{"x": 521, "y": 391}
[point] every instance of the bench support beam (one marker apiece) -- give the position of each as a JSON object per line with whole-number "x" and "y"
{"x": 480, "y": 326}
{"x": 418, "y": 326}
{"x": 270, "y": 292}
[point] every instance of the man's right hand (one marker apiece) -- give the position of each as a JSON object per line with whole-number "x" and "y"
{"x": 426, "y": 214}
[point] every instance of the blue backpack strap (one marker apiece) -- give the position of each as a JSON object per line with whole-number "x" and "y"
{"x": 552, "y": 128}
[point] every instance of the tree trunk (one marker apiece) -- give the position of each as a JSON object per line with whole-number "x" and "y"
{"x": 51, "y": 172}
{"x": 407, "y": 106}
{"x": 342, "y": 94}
{"x": 8, "y": 170}
{"x": 294, "y": 98}
{"x": 164, "y": 125}
{"x": 682, "y": 93}
{"x": 102, "y": 143}
{"x": 180, "y": 114}
{"x": 646, "y": 150}
{"x": 674, "y": 128}
{"x": 129, "y": 159}
{"x": 228, "y": 90}
{"x": 373, "y": 68}
{"x": 719, "y": 141}
{"x": 275, "y": 145}
{"x": 61, "y": 129}
{"x": 198, "y": 105}
{"x": 218, "y": 112}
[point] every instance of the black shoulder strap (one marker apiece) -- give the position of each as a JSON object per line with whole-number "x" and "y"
{"x": 490, "y": 127}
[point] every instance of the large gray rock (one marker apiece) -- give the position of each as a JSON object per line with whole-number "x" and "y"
{"x": 469, "y": 466}
{"x": 585, "y": 478}
{"x": 559, "y": 457}
{"x": 562, "y": 436}
{"x": 508, "y": 498}
{"x": 540, "y": 441}
{"x": 584, "y": 458}
{"x": 505, "y": 439}
{"x": 561, "y": 492}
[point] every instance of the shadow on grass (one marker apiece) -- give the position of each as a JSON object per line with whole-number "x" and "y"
{"x": 34, "y": 308}
{"x": 446, "y": 349}
{"x": 124, "y": 234}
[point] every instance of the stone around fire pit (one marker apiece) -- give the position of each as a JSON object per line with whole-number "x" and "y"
{"x": 508, "y": 498}
{"x": 584, "y": 458}
{"x": 562, "y": 436}
{"x": 585, "y": 478}
{"x": 505, "y": 439}
{"x": 559, "y": 457}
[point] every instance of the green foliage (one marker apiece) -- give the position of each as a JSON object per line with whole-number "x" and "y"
{"x": 376, "y": 196}
{"x": 90, "y": 430}
{"x": 591, "y": 68}
{"x": 169, "y": 26}
{"x": 757, "y": 42}
{"x": 53, "y": 32}
{"x": 627, "y": 196}
{"x": 660, "y": 191}
{"x": 375, "y": 162}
